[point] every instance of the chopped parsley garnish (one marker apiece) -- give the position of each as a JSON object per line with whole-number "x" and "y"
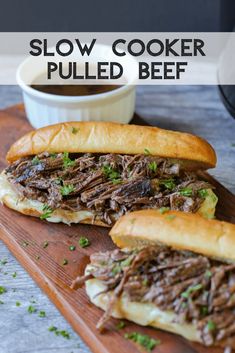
{"x": 53, "y": 155}
{"x": 133, "y": 220}
{"x": 210, "y": 216}
{"x": 152, "y": 166}
{"x": 190, "y": 290}
{"x": 3, "y": 262}
{"x": 57, "y": 332}
{"x": 31, "y": 309}
{"x": 74, "y": 130}
{"x": 126, "y": 262}
{"x": 45, "y": 244}
{"x": 72, "y": 248}
{"x": 65, "y": 262}
{"x": 204, "y": 310}
{"x": 203, "y": 193}
{"x": 145, "y": 282}
{"x": 84, "y": 242}
{"x": 14, "y": 274}
{"x": 186, "y": 192}
{"x": 208, "y": 274}
{"x": 168, "y": 183}
{"x": 111, "y": 174}
{"x": 2, "y": 290}
{"x": 18, "y": 303}
{"x": 66, "y": 189}
{"x": 67, "y": 162}
{"x": 170, "y": 217}
{"x": 52, "y": 328}
{"x": 163, "y": 210}
{"x": 120, "y": 325}
{"x": 42, "y": 313}
{"x": 58, "y": 181}
{"x": 143, "y": 340}
{"x": 146, "y": 151}
{"x": 116, "y": 269}
{"x": 47, "y": 212}
{"x": 35, "y": 160}
{"x": 1, "y": 302}
{"x": 211, "y": 325}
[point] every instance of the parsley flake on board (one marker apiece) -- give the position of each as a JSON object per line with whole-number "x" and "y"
{"x": 143, "y": 340}
{"x": 45, "y": 244}
{"x": 67, "y": 162}
{"x": 57, "y": 332}
{"x": 31, "y": 309}
{"x": 3, "y": 262}
{"x": 83, "y": 242}
{"x": 66, "y": 189}
{"x": 120, "y": 325}
{"x": 2, "y": 290}
{"x": 18, "y": 303}
{"x": 47, "y": 212}
{"x": 42, "y": 313}
{"x": 72, "y": 248}
{"x": 65, "y": 262}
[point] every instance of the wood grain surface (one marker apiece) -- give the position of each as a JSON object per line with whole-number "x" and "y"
{"x": 25, "y": 237}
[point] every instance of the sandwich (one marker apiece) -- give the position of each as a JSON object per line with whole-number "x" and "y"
{"x": 174, "y": 271}
{"x": 95, "y": 172}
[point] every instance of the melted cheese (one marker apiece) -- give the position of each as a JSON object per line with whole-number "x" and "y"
{"x": 9, "y": 196}
{"x": 144, "y": 314}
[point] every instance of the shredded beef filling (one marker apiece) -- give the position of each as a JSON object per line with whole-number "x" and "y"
{"x": 199, "y": 290}
{"x": 109, "y": 184}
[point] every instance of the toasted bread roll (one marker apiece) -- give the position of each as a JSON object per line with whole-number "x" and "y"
{"x": 179, "y": 230}
{"x": 103, "y": 137}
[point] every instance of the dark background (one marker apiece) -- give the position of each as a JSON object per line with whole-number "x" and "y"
{"x": 119, "y": 15}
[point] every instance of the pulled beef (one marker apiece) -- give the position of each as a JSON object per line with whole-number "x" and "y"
{"x": 199, "y": 290}
{"x": 109, "y": 184}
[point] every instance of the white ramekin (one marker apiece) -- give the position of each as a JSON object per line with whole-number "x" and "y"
{"x": 46, "y": 109}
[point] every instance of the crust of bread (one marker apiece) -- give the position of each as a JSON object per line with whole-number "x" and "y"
{"x": 107, "y": 137}
{"x": 187, "y": 231}
{"x": 11, "y": 199}
{"x": 144, "y": 314}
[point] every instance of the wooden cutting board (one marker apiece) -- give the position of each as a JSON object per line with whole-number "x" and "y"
{"x": 25, "y": 236}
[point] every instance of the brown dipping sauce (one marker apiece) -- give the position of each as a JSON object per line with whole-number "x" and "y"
{"x": 75, "y": 90}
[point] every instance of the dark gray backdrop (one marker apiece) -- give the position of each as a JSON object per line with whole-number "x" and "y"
{"x": 119, "y": 15}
